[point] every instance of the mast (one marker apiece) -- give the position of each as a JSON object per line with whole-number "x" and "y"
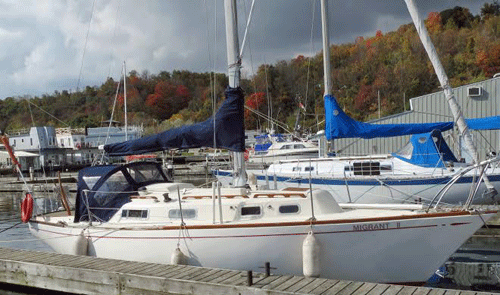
{"x": 234, "y": 65}
{"x": 326, "y": 48}
{"x": 448, "y": 92}
{"x": 125, "y": 98}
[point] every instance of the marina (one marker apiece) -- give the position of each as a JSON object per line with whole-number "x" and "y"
{"x": 150, "y": 224}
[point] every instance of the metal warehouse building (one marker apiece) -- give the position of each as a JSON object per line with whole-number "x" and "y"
{"x": 477, "y": 100}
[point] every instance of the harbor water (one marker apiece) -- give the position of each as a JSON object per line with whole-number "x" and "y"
{"x": 483, "y": 249}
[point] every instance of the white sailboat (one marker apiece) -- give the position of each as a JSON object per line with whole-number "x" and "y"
{"x": 133, "y": 212}
{"x": 418, "y": 173}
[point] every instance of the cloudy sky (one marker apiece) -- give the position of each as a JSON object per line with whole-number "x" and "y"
{"x": 48, "y": 45}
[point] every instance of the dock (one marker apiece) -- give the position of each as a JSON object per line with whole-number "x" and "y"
{"x": 90, "y": 275}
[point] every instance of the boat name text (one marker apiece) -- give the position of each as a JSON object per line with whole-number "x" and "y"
{"x": 371, "y": 226}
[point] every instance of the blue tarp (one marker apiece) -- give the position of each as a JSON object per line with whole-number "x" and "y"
{"x": 340, "y": 125}
{"x": 229, "y": 132}
{"x": 488, "y": 123}
{"x": 102, "y": 190}
{"x": 426, "y": 150}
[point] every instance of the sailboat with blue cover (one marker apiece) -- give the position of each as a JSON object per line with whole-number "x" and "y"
{"x": 419, "y": 172}
{"x": 134, "y": 212}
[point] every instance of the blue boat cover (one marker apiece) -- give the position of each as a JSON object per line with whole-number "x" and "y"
{"x": 102, "y": 190}
{"x": 340, "y": 125}
{"x": 229, "y": 132}
{"x": 426, "y": 150}
{"x": 487, "y": 123}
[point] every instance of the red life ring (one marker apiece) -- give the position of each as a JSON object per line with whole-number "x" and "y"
{"x": 27, "y": 208}
{"x": 246, "y": 154}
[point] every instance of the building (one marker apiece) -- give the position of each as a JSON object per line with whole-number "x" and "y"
{"x": 477, "y": 100}
{"x": 41, "y": 141}
{"x": 48, "y": 148}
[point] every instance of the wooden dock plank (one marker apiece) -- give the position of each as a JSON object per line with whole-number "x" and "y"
{"x": 311, "y": 286}
{"x": 299, "y": 285}
{"x": 230, "y": 274}
{"x": 196, "y": 273}
{"x": 364, "y": 289}
{"x": 407, "y": 290}
{"x": 421, "y": 291}
{"x": 188, "y": 271}
{"x": 212, "y": 277}
{"x": 393, "y": 290}
{"x": 210, "y": 272}
{"x": 437, "y": 291}
{"x": 240, "y": 280}
{"x": 265, "y": 280}
{"x": 172, "y": 270}
{"x": 292, "y": 281}
{"x": 349, "y": 289}
{"x": 337, "y": 288}
{"x": 153, "y": 270}
{"x": 379, "y": 289}
{"x": 325, "y": 286}
{"x": 277, "y": 282}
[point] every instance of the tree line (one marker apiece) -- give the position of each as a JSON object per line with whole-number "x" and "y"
{"x": 392, "y": 67}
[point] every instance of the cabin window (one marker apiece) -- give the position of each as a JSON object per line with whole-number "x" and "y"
{"x": 310, "y": 168}
{"x": 254, "y": 210}
{"x": 186, "y": 213}
{"x": 288, "y": 209}
{"x": 31, "y": 141}
{"x": 135, "y": 213}
{"x": 299, "y": 146}
{"x": 296, "y": 169}
{"x": 385, "y": 167}
{"x": 142, "y": 173}
{"x": 366, "y": 168}
{"x": 286, "y": 147}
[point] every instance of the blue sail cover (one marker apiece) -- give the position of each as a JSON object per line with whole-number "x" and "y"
{"x": 340, "y": 125}
{"x": 229, "y": 132}
{"x": 487, "y": 123}
{"x": 427, "y": 150}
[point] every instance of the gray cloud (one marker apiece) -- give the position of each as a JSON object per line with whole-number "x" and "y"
{"x": 42, "y": 43}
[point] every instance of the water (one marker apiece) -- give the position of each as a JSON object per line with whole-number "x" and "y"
{"x": 15, "y": 234}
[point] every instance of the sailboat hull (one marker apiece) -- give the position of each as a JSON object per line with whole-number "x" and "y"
{"x": 399, "y": 250}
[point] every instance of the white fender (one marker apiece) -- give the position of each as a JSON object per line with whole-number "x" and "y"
{"x": 178, "y": 258}
{"x": 81, "y": 245}
{"x": 311, "y": 256}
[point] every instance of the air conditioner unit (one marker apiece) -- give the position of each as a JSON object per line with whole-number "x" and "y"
{"x": 474, "y": 91}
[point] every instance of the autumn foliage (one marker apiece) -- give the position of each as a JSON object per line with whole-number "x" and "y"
{"x": 393, "y": 65}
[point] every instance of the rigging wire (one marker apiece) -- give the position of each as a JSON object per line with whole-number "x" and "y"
{"x": 48, "y": 114}
{"x": 246, "y": 28}
{"x": 110, "y": 121}
{"x": 85, "y": 46}
{"x": 31, "y": 113}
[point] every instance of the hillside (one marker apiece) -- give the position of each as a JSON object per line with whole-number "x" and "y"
{"x": 393, "y": 66}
